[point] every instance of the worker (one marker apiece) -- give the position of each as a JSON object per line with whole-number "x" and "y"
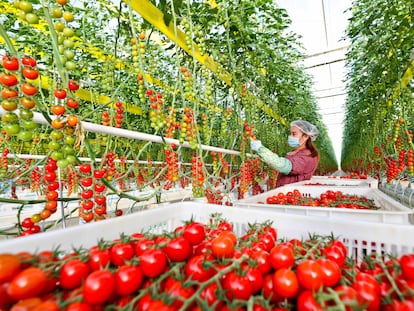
{"x": 299, "y": 164}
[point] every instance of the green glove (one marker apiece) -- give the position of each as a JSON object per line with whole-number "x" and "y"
{"x": 281, "y": 164}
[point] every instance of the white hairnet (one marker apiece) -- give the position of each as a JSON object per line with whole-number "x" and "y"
{"x": 307, "y": 128}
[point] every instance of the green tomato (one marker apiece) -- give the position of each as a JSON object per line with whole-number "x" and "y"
{"x": 62, "y": 163}
{"x": 69, "y": 54}
{"x": 70, "y": 65}
{"x": 59, "y": 26}
{"x": 25, "y": 6}
{"x": 68, "y": 32}
{"x": 25, "y": 135}
{"x": 54, "y": 145}
{"x": 56, "y": 12}
{"x": 26, "y": 114}
{"x": 9, "y": 117}
{"x": 71, "y": 159}
{"x": 69, "y": 43}
{"x": 68, "y": 150}
{"x": 70, "y": 140}
{"x": 56, "y": 135}
{"x": 56, "y": 155}
{"x": 32, "y": 18}
{"x": 29, "y": 125}
{"x": 11, "y": 128}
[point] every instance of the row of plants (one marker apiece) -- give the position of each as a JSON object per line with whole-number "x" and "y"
{"x": 378, "y": 137}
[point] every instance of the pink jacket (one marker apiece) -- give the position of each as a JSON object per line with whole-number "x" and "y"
{"x": 303, "y": 167}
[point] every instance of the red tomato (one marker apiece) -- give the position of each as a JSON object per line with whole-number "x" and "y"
{"x": 331, "y": 273}
{"x": 121, "y": 253}
{"x": 285, "y": 283}
{"x": 73, "y": 273}
{"x": 28, "y": 283}
{"x": 28, "y": 61}
{"x": 142, "y": 245}
{"x": 282, "y": 256}
{"x": 30, "y": 73}
{"x": 73, "y": 85}
{"x": 99, "y": 258}
{"x": 222, "y": 246}
{"x": 368, "y": 295}
{"x": 347, "y": 295}
{"x": 9, "y": 266}
{"x": 309, "y": 274}
{"x": 335, "y": 253}
{"x": 178, "y": 249}
{"x": 99, "y": 287}
{"x": 237, "y": 286}
{"x": 60, "y": 94}
{"x": 196, "y": 269}
{"x": 268, "y": 241}
{"x": 177, "y": 292}
{"x": 209, "y": 295}
{"x": 47, "y": 305}
{"x": 8, "y": 79}
{"x": 261, "y": 258}
{"x": 268, "y": 289}
{"x": 255, "y": 277}
{"x": 85, "y": 168}
{"x": 79, "y": 306}
{"x": 128, "y": 279}
{"x": 10, "y": 63}
{"x": 407, "y": 266}
{"x": 306, "y": 302}
{"x": 153, "y": 262}
{"x": 194, "y": 233}
{"x": 29, "y": 89}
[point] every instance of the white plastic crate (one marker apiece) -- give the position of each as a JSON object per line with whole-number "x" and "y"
{"x": 360, "y": 237}
{"x": 390, "y": 210}
{"x": 337, "y": 181}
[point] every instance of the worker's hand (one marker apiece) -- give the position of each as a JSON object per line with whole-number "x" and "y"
{"x": 255, "y": 144}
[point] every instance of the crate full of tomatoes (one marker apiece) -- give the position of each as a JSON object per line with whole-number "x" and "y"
{"x": 194, "y": 256}
{"x": 354, "y": 203}
{"x": 351, "y": 180}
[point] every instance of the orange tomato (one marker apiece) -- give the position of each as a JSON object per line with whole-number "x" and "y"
{"x": 58, "y": 110}
{"x": 72, "y": 121}
{"x": 27, "y": 103}
{"x": 57, "y": 124}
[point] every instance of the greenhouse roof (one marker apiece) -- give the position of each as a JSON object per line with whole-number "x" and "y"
{"x": 322, "y": 25}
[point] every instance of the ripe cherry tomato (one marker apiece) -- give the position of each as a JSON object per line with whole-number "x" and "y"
{"x": 237, "y": 286}
{"x": 73, "y": 85}
{"x": 85, "y": 168}
{"x": 98, "y": 258}
{"x": 178, "y": 249}
{"x": 255, "y": 278}
{"x": 176, "y": 290}
{"x": 28, "y": 283}
{"x": 153, "y": 262}
{"x": 306, "y": 302}
{"x": 121, "y": 253}
{"x": 9, "y": 266}
{"x": 30, "y": 73}
{"x": 196, "y": 269}
{"x": 99, "y": 286}
{"x": 222, "y": 246}
{"x": 309, "y": 274}
{"x": 128, "y": 279}
{"x": 10, "y": 63}
{"x": 194, "y": 233}
{"x": 282, "y": 256}
{"x": 60, "y": 94}
{"x": 285, "y": 283}
{"x": 28, "y": 61}
{"x": 407, "y": 266}
{"x": 331, "y": 273}
{"x": 73, "y": 273}
{"x": 29, "y": 89}
{"x": 8, "y": 79}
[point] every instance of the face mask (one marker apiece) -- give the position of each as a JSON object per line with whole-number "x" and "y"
{"x": 293, "y": 142}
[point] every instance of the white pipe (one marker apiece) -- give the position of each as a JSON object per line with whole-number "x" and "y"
{"x": 97, "y": 128}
